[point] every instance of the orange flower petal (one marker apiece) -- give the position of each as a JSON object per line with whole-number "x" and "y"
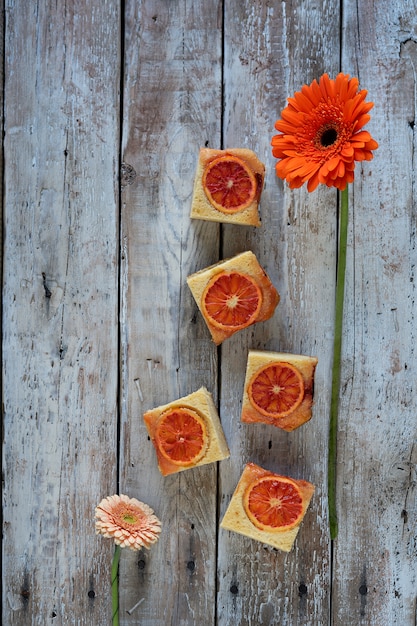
{"x": 313, "y": 182}
{"x": 347, "y": 152}
{"x": 320, "y": 133}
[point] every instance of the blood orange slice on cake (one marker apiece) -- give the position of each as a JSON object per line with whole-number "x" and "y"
{"x": 276, "y": 390}
{"x": 181, "y": 436}
{"x": 231, "y": 300}
{"x": 274, "y": 503}
{"x": 229, "y": 184}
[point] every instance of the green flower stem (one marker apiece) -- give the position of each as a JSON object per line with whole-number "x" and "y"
{"x": 337, "y": 357}
{"x": 115, "y": 585}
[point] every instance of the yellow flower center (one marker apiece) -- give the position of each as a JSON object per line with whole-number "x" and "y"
{"x": 129, "y": 518}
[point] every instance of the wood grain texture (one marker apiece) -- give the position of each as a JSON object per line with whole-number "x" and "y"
{"x": 2, "y": 131}
{"x": 99, "y": 324}
{"x": 172, "y": 98}
{"x": 375, "y": 555}
{"x": 264, "y": 64}
{"x": 60, "y": 345}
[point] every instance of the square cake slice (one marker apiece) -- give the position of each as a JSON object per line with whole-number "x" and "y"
{"x": 186, "y": 433}
{"x": 228, "y": 186}
{"x": 268, "y": 507}
{"x": 278, "y": 389}
{"x": 233, "y": 294}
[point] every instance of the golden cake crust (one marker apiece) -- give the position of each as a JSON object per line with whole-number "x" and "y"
{"x": 246, "y": 263}
{"x": 200, "y": 401}
{"x": 202, "y": 209}
{"x": 306, "y": 365}
{"x": 236, "y": 519}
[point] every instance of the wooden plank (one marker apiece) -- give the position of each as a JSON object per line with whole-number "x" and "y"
{"x": 172, "y": 98}
{"x": 2, "y": 131}
{"x": 264, "y": 64}
{"x": 60, "y": 350}
{"x": 60, "y": 295}
{"x": 375, "y": 578}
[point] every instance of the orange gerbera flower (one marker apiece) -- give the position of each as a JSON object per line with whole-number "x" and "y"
{"x": 129, "y": 522}
{"x": 321, "y": 133}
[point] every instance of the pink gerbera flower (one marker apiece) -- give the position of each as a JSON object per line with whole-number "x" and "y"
{"x": 132, "y": 524}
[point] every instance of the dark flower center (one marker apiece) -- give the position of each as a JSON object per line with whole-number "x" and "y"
{"x": 328, "y": 137}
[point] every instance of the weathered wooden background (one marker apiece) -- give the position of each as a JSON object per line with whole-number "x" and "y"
{"x": 106, "y": 105}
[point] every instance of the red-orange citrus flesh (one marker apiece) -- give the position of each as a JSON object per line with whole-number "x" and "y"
{"x": 229, "y": 184}
{"x": 274, "y": 503}
{"x": 231, "y": 300}
{"x": 181, "y": 436}
{"x": 276, "y": 390}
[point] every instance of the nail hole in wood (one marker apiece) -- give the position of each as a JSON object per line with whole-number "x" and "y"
{"x": 234, "y": 589}
{"x": 363, "y": 590}
{"x": 91, "y": 594}
{"x": 48, "y": 292}
{"x": 302, "y": 589}
{"x": 191, "y": 566}
{"x": 141, "y": 564}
